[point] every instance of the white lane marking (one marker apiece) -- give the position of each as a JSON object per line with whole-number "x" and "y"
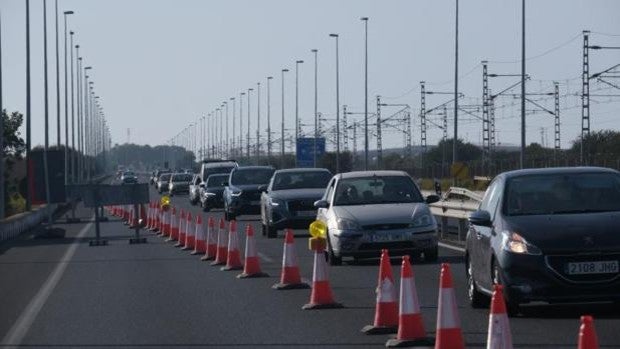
{"x": 265, "y": 257}
{"x": 20, "y": 328}
{"x": 451, "y": 247}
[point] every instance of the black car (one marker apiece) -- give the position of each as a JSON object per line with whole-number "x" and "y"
{"x": 547, "y": 235}
{"x": 245, "y": 185}
{"x": 289, "y": 199}
{"x": 211, "y": 195}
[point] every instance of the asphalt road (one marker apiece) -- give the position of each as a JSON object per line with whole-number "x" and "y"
{"x": 63, "y": 293}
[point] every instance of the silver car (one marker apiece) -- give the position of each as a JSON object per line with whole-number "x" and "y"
{"x": 368, "y": 211}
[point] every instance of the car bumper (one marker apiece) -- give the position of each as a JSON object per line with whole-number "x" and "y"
{"x": 282, "y": 221}
{"x": 244, "y": 207}
{"x": 213, "y": 202}
{"x": 533, "y": 279}
{"x": 363, "y": 245}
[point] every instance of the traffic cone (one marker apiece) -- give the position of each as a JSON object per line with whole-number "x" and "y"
{"x": 189, "y": 233}
{"x": 449, "y": 335}
{"x": 221, "y": 254}
{"x": 200, "y": 246}
{"x": 125, "y": 215}
{"x": 233, "y": 258}
{"x": 411, "y": 330}
{"x": 321, "y": 296}
{"x": 167, "y": 223}
{"x": 587, "y": 334}
{"x": 181, "y": 237}
{"x": 155, "y": 226}
{"x": 211, "y": 241}
{"x": 174, "y": 227}
{"x": 499, "y": 336}
{"x": 252, "y": 263}
{"x": 386, "y": 309}
{"x": 143, "y": 217}
{"x": 289, "y": 277}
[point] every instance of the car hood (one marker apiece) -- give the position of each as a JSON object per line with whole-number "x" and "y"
{"x": 379, "y": 214}
{"x": 248, "y": 187}
{"x": 218, "y": 190}
{"x": 584, "y": 232}
{"x": 294, "y": 194}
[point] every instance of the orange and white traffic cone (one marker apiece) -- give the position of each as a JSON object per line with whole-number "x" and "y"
{"x": 189, "y": 232}
{"x": 221, "y": 254}
{"x": 289, "y": 277}
{"x": 252, "y": 264}
{"x": 155, "y": 226}
{"x": 211, "y": 241}
{"x": 125, "y": 215}
{"x": 587, "y": 334}
{"x": 448, "y": 334}
{"x": 167, "y": 226}
{"x": 143, "y": 217}
{"x": 181, "y": 237}
{"x": 499, "y": 336}
{"x": 148, "y": 215}
{"x": 321, "y": 296}
{"x": 200, "y": 247}
{"x": 233, "y": 258}
{"x": 386, "y": 309}
{"x": 160, "y": 222}
{"x": 174, "y": 227}
{"x": 411, "y": 330}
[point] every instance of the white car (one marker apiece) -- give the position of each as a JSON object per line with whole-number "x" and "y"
{"x": 368, "y": 211}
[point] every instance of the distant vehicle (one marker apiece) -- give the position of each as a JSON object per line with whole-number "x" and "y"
{"x": 129, "y": 177}
{"x": 547, "y": 235}
{"x": 179, "y": 183}
{"x": 162, "y": 182}
{"x": 212, "y": 193}
{"x": 156, "y": 175}
{"x": 243, "y": 192}
{"x": 194, "y": 189}
{"x": 289, "y": 199}
{"x": 368, "y": 211}
{"x": 210, "y": 167}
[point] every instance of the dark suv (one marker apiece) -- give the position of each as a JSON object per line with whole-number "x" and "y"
{"x": 212, "y": 193}
{"x": 243, "y": 192}
{"x": 547, "y": 235}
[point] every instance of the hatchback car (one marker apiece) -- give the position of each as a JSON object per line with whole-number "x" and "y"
{"x": 243, "y": 192}
{"x": 547, "y": 235}
{"x": 212, "y": 192}
{"x": 289, "y": 199}
{"x": 179, "y": 183}
{"x": 162, "y": 182}
{"x": 368, "y": 211}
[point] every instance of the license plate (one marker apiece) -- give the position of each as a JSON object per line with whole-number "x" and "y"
{"x": 306, "y": 213}
{"x": 254, "y": 203}
{"x": 601, "y": 267}
{"x": 384, "y": 237}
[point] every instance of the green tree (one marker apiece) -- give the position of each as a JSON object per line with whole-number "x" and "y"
{"x": 13, "y": 148}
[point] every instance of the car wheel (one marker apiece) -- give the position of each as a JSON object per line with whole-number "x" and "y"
{"x": 332, "y": 259}
{"x": 431, "y": 254}
{"x": 512, "y": 307}
{"x": 476, "y": 298}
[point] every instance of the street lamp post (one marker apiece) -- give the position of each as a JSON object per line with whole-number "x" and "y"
{"x": 28, "y": 111}
{"x": 297, "y": 101}
{"x": 365, "y": 20}
{"x": 241, "y": 123}
{"x": 282, "y": 124}
{"x": 65, "y": 13}
{"x": 258, "y": 122}
{"x": 522, "y": 154}
{"x": 336, "y": 36}
{"x": 247, "y": 145}
{"x": 456, "y": 90}
{"x": 316, "y": 98}
{"x": 58, "y": 85}
{"x": 1, "y": 131}
{"x": 232, "y": 140}
{"x": 269, "y": 78}
{"x": 46, "y": 113}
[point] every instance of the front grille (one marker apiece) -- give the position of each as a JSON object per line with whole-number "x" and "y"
{"x": 301, "y": 205}
{"x": 251, "y": 195}
{"x": 559, "y": 265}
{"x": 397, "y": 245}
{"x": 386, "y": 226}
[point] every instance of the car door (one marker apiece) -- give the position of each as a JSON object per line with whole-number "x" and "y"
{"x": 488, "y": 234}
{"x": 265, "y": 203}
{"x": 323, "y": 213}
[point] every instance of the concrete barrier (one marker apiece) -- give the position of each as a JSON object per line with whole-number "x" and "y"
{"x": 22, "y": 222}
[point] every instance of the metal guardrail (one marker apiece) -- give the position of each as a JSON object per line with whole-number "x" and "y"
{"x": 453, "y": 210}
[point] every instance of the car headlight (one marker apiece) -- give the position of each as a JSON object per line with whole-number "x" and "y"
{"x": 515, "y": 243}
{"x": 422, "y": 221}
{"x": 276, "y": 203}
{"x": 210, "y": 194}
{"x": 236, "y": 193}
{"x": 346, "y": 224}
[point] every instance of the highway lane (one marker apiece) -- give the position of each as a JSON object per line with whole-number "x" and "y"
{"x": 155, "y": 295}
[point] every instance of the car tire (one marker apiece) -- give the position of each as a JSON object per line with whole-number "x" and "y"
{"x": 431, "y": 254}
{"x": 512, "y": 307}
{"x": 332, "y": 259}
{"x": 476, "y": 298}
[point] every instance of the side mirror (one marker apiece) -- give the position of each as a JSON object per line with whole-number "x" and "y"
{"x": 481, "y": 218}
{"x": 321, "y": 204}
{"x": 432, "y": 198}
{"x": 262, "y": 187}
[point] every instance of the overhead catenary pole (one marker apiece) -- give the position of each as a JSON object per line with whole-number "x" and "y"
{"x": 455, "y": 157}
{"x": 316, "y": 112}
{"x": 269, "y": 78}
{"x": 297, "y": 129}
{"x": 257, "y": 122}
{"x": 247, "y": 153}
{"x": 336, "y": 36}
{"x": 556, "y": 143}
{"x": 282, "y": 124}
{"x": 365, "y": 19}
{"x": 241, "y": 123}
{"x": 522, "y": 154}
{"x": 585, "y": 99}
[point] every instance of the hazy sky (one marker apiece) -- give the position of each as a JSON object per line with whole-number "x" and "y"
{"x": 160, "y": 65}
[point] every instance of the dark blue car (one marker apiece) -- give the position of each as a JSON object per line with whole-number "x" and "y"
{"x": 243, "y": 192}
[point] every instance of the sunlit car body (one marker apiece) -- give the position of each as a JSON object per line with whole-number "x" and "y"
{"x": 547, "y": 235}
{"x": 162, "y": 182}
{"x": 243, "y": 192}
{"x": 212, "y": 193}
{"x": 179, "y": 183}
{"x": 157, "y": 174}
{"x": 289, "y": 199}
{"x": 194, "y": 189}
{"x": 368, "y": 211}
{"x": 128, "y": 177}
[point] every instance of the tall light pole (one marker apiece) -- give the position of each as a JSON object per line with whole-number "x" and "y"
{"x": 1, "y": 131}
{"x": 316, "y": 99}
{"x": 297, "y": 101}
{"x": 269, "y": 78}
{"x": 258, "y": 122}
{"x": 227, "y": 145}
{"x": 241, "y": 123}
{"x": 248, "y": 137}
{"x": 78, "y": 95}
{"x": 522, "y": 155}
{"x": 28, "y": 111}
{"x": 365, "y": 20}
{"x": 282, "y": 124}
{"x": 58, "y": 84}
{"x": 455, "y": 156}
{"x": 337, "y": 106}
{"x": 66, "y": 101}
{"x": 232, "y": 140}
{"x": 46, "y": 113}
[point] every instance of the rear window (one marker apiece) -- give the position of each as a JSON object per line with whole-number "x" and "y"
{"x": 251, "y": 176}
{"x": 182, "y": 177}
{"x": 562, "y": 193}
{"x": 217, "y": 181}
{"x": 301, "y": 180}
{"x": 165, "y": 177}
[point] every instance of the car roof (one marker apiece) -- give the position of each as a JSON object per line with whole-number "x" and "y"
{"x": 558, "y": 170}
{"x": 219, "y": 175}
{"x": 297, "y": 170}
{"x": 362, "y": 174}
{"x": 254, "y": 168}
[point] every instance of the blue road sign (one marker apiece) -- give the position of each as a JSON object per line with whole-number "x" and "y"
{"x": 305, "y": 151}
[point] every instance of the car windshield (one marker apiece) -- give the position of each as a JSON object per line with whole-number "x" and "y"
{"x": 182, "y": 177}
{"x": 251, "y": 176}
{"x": 217, "y": 181}
{"x": 216, "y": 170}
{"x": 128, "y": 174}
{"x": 164, "y": 177}
{"x": 301, "y": 180}
{"x": 376, "y": 190}
{"x": 562, "y": 193}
